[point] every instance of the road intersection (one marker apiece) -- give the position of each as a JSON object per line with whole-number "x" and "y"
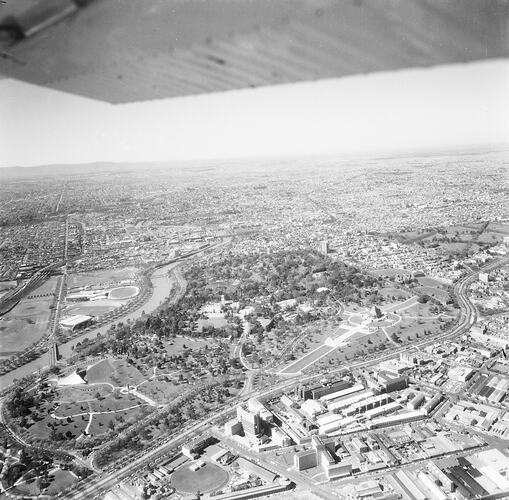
{"x": 99, "y": 483}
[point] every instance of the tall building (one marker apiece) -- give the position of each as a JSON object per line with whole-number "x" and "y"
{"x": 251, "y": 422}
{"x": 324, "y": 247}
{"x": 232, "y": 427}
{"x": 254, "y": 406}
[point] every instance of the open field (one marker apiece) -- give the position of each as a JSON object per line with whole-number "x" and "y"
{"x": 361, "y": 333}
{"x": 92, "y": 308}
{"x": 101, "y": 422}
{"x": 67, "y": 415}
{"x": 216, "y": 322}
{"x": 28, "y": 321}
{"x": 112, "y": 403}
{"x": 45, "y": 424}
{"x": 394, "y": 293}
{"x": 103, "y": 277}
{"x": 124, "y": 292}
{"x": 435, "y": 292}
{"x": 208, "y": 478}
{"x": 106, "y": 404}
{"x": 60, "y": 480}
{"x": 48, "y": 287}
{"x": 459, "y": 238}
{"x": 5, "y": 286}
{"x": 26, "y": 489}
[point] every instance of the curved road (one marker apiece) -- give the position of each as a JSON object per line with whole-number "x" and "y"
{"x": 162, "y": 279}
{"x": 468, "y": 316}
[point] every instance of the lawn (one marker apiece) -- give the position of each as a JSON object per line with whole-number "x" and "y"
{"x": 210, "y": 477}
{"x": 76, "y": 426}
{"x": 111, "y": 403}
{"x": 27, "y": 489}
{"x": 306, "y": 360}
{"x": 115, "y": 372}
{"x": 434, "y": 292}
{"x": 74, "y": 413}
{"x": 48, "y": 287}
{"x": 28, "y": 321}
{"x": 82, "y": 393}
{"x": 176, "y": 345}
{"x": 124, "y": 292}
{"x": 60, "y": 480}
{"x": 95, "y": 308}
{"x": 396, "y": 293}
{"x": 159, "y": 390}
{"x": 100, "y": 422}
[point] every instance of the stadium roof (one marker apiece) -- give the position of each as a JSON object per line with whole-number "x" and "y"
{"x": 76, "y": 320}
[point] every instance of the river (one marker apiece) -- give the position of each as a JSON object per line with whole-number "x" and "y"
{"x": 162, "y": 283}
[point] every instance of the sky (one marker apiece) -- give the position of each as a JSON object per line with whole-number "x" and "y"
{"x": 442, "y": 107}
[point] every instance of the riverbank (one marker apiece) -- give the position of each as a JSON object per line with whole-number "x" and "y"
{"x": 163, "y": 280}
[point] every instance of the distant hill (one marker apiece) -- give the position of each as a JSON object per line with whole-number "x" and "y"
{"x": 71, "y": 169}
{"x": 66, "y": 169}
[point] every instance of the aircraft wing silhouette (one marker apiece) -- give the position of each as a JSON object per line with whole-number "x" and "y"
{"x": 133, "y": 50}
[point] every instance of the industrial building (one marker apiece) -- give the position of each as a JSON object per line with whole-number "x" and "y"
{"x": 432, "y": 403}
{"x": 402, "y": 418}
{"x": 321, "y": 390}
{"x": 195, "y": 448}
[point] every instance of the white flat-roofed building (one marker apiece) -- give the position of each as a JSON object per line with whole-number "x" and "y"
{"x": 336, "y": 425}
{"x": 280, "y": 437}
{"x": 347, "y": 423}
{"x": 430, "y": 485}
{"x": 217, "y": 456}
{"x": 311, "y": 407}
{"x": 410, "y": 485}
{"x": 346, "y": 402}
{"x": 286, "y": 401}
{"x": 390, "y": 420}
{"x": 393, "y": 366}
{"x": 327, "y": 418}
{"x": 330, "y": 427}
{"x": 460, "y": 373}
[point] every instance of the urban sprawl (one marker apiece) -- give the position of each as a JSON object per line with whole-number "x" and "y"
{"x": 308, "y": 328}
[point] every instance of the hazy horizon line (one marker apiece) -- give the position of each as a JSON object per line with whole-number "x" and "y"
{"x": 378, "y": 154}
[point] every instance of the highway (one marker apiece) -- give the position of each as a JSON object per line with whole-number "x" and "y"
{"x": 101, "y": 483}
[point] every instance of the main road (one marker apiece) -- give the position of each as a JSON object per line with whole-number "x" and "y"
{"x": 163, "y": 278}
{"x": 102, "y": 483}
